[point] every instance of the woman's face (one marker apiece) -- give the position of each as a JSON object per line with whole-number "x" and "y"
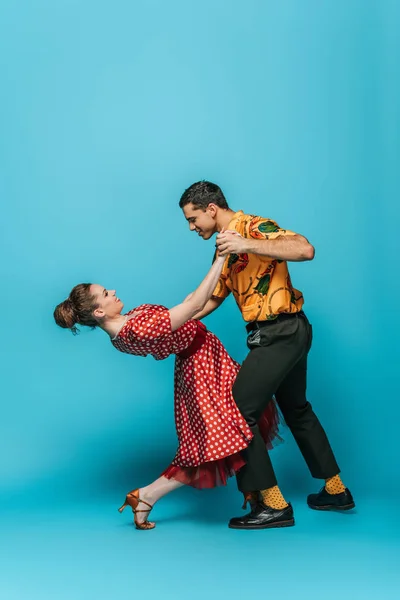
{"x": 108, "y": 305}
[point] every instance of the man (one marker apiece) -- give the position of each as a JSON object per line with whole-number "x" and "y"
{"x": 279, "y": 339}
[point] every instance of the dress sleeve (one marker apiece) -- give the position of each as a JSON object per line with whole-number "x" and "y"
{"x": 151, "y": 324}
{"x": 265, "y": 229}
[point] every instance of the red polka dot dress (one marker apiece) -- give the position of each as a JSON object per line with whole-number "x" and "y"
{"x": 211, "y": 430}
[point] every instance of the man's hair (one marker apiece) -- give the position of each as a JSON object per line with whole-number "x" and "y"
{"x": 201, "y": 194}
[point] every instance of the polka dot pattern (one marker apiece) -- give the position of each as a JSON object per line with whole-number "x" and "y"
{"x": 334, "y": 485}
{"x": 209, "y": 425}
{"x": 148, "y": 331}
{"x": 273, "y": 497}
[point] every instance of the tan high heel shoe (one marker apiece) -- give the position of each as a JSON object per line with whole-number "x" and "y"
{"x": 132, "y": 500}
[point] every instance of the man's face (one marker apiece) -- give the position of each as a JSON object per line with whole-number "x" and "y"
{"x": 203, "y": 222}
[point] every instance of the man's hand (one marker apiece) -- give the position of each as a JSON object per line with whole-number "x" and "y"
{"x": 231, "y": 242}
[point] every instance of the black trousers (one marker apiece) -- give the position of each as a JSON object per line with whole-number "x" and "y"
{"x": 277, "y": 365}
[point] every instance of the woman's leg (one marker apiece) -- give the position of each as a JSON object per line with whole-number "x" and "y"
{"x": 153, "y": 492}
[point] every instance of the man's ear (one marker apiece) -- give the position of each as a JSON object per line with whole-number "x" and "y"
{"x": 212, "y": 209}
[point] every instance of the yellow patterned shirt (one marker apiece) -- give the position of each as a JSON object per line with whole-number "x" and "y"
{"x": 261, "y": 286}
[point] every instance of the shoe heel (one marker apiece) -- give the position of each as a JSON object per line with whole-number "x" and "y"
{"x": 122, "y": 508}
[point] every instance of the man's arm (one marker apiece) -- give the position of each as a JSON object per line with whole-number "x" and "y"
{"x": 292, "y": 247}
{"x": 285, "y": 247}
{"x": 211, "y": 305}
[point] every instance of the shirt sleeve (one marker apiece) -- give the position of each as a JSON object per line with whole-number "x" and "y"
{"x": 149, "y": 325}
{"x": 221, "y": 290}
{"x": 259, "y": 228}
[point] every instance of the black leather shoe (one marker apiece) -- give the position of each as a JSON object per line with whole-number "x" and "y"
{"x": 264, "y": 517}
{"x": 325, "y": 501}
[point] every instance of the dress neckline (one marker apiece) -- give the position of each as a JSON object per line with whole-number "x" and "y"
{"x": 120, "y": 329}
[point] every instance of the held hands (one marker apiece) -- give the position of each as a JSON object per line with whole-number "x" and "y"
{"x": 230, "y": 242}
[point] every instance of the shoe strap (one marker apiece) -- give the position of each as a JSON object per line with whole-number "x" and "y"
{"x": 143, "y": 502}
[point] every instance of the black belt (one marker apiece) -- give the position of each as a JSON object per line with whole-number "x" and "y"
{"x": 281, "y": 317}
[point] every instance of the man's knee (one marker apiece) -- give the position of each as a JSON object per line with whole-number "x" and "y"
{"x": 251, "y": 397}
{"x": 250, "y": 408}
{"x": 297, "y": 414}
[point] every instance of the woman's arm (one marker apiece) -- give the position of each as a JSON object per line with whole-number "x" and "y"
{"x": 196, "y": 301}
{"x": 211, "y": 305}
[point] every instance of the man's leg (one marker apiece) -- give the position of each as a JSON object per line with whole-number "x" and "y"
{"x": 310, "y": 435}
{"x": 304, "y": 424}
{"x": 275, "y": 349}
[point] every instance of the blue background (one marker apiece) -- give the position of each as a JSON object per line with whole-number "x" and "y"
{"x": 108, "y": 111}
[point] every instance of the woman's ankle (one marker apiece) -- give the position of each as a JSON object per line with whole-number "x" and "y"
{"x": 146, "y": 495}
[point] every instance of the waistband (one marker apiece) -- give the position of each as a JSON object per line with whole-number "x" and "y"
{"x": 281, "y": 317}
{"x": 198, "y": 341}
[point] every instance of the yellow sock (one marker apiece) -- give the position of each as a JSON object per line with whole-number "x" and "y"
{"x": 334, "y": 485}
{"x": 273, "y": 497}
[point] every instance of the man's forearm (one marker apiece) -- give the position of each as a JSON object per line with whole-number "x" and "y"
{"x": 285, "y": 247}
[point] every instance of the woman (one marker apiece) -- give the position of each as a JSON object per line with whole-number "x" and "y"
{"x": 211, "y": 431}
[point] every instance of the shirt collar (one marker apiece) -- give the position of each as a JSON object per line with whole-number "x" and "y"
{"x": 235, "y": 219}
